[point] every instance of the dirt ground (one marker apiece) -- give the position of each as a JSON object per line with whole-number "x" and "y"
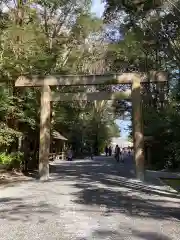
{"x": 11, "y": 177}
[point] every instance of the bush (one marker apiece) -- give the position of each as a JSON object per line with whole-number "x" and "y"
{"x": 5, "y": 159}
{"x": 11, "y": 161}
{"x": 17, "y": 160}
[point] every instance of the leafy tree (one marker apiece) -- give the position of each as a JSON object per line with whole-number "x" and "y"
{"x": 147, "y": 38}
{"x": 48, "y": 37}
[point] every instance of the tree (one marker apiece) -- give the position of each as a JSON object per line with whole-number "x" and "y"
{"x": 56, "y": 36}
{"x": 147, "y": 37}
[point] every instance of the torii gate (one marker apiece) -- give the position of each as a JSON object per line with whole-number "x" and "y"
{"x": 77, "y": 80}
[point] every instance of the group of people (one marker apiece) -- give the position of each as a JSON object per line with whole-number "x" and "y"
{"x": 118, "y": 152}
{"x": 108, "y": 150}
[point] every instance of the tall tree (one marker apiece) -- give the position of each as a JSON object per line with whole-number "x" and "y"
{"x": 48, "y": 37}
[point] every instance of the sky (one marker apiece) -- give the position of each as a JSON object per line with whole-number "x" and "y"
{"x": 98, "y": 8}
{"x": 123, "y": 125}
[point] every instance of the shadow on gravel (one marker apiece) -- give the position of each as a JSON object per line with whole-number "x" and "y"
{"x": 16, "y": 210}
{"x": 108, "y": 173}
{"x": 122, "y": 202}
{"x": 112, "y": 187}
{"x": 103, "y": 234}
{"x": 150, "y": 235}
{"x": 115, "y": 235}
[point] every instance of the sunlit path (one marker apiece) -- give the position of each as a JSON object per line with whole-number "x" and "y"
{"x": 89, "y": 199}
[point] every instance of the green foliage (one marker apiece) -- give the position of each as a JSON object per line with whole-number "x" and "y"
{"x": 87, "y": 125}
{"x": 7, "y": 135}
{"x": 11, "y": 161}
{"x": 55, "y": 37}
{"x": 148, "y": 39}
{"x": 17, "y": 160}
{"x": 5, "y": 159}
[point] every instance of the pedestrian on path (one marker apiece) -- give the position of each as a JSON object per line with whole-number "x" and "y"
{"x": 121, "y": 155}
{"x": 110, "y": 151}
{"x": 91, "y": 153}
{"x": 117, "y": 153}
{"x": 69, "y": 154}
{"x": 106, "y": 150}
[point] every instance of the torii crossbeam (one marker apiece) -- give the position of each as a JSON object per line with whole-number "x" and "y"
{"x": 76, "y": 80}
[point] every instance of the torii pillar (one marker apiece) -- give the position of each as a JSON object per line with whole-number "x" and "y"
{"x": 45, "y": 135}
{"x": 138, "y": 136}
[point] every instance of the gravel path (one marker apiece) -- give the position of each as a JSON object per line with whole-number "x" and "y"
{"x": 86, "y": 200}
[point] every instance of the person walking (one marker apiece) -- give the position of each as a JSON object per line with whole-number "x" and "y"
{"x": 121, "y": 155}
{"x": 69, "y": 154}
{"x": 129, "y": 151}
{"x": 106, "y": 150}
{"x": 110, "y": 151}
{"x": 117, "y": 153}
{"x": 91, "y": 153}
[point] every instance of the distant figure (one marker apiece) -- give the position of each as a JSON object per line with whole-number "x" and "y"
{"x": 106, "y": 150}
{"x": 91, "y": 153}
{"x": 110, "y": 151}
{"x": 117, "y": 153}
{"x": 121, "y": 155}
{"x": 129, "y": 150}
{"x": 69, "y": 154}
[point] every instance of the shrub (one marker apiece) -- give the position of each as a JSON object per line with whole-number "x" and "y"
{"x": 5, "y": 159}
{"x": 11, "y": 161}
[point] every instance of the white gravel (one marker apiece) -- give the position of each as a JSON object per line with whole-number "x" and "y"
{"x": 87, "y": 200}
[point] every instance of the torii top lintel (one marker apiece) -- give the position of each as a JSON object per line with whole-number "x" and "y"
{"x": 73, "y": 80}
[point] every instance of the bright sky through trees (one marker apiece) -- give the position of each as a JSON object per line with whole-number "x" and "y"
{"x": 98, "y": 7}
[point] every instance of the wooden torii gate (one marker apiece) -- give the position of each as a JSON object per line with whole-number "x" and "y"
{"x": 68, "y": 80}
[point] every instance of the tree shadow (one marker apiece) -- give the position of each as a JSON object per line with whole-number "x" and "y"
{"x": 15, "y": 209}
{"x": 109, "y": 173}
{"x": 113, "y": 186}
{"x": 118, "y": 202}
{"x": 104, "y": 233}
{"x": 150, "y": 235}
{"x": 117, "y": 235}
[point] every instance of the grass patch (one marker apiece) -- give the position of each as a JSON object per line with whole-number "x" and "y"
{"x": 172, "y": 182}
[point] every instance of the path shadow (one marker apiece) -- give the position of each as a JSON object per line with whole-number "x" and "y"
{"x": 15, "y": 209}
{"x": 121, "y": 202}
{"x": 150, "y": 235}
{"x": 104, "y": 183}
{"x": 104, "y": 233}
{"x": 115, "y": 235}
{"x": 109, "y": 173}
